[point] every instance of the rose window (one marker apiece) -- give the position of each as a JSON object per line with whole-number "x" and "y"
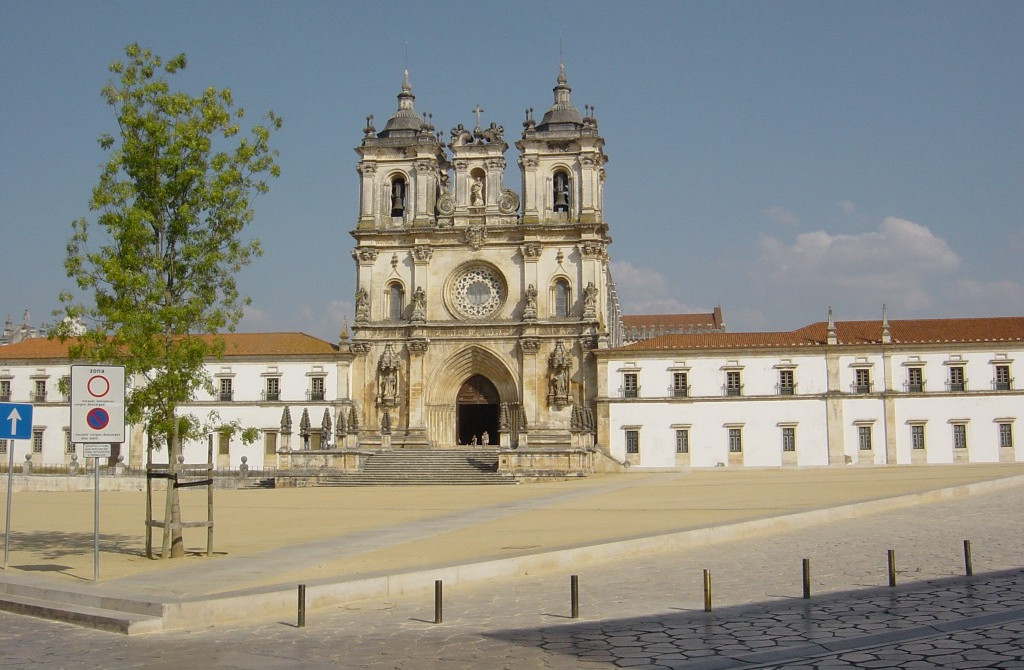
{"x": 477, "y": 293}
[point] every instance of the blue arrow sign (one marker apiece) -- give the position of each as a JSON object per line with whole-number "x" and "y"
{"x": 15, "y": 421}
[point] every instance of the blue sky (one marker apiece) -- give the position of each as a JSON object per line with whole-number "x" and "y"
{"x": 773, "y": 158}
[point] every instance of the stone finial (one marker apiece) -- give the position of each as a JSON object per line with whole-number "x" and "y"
{"x": 832, "y": 337}
{"x": 886, "y": 333}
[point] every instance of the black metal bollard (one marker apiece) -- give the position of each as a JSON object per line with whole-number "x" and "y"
{"x": 968, "y": 561}
{"x": 807, "y": 578}
{"x": 707, "y": 590}
{"x": 892, "y": 567}
{"x": 438, "y": 601}
{"x": 574, "y": 595}
{"x": 302, "y": 605}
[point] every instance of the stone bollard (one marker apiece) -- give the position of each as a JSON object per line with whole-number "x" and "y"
{"x": 26, "y": 467}
{"x": 243, "y": 469}
{"x": 73, "y": 465}
{"x": 119, "y": 467}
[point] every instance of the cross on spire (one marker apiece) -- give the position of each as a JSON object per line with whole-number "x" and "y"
{"x": 478, "y": 110}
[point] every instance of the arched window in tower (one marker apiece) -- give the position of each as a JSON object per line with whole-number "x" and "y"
{"x": 398, "y": 189}
{"x": 561, "y": 192}
{"x": 561, "y": 298}
{"x": 396, "y": 301}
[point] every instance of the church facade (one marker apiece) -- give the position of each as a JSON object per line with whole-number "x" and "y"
{"x": 478, "y": 306}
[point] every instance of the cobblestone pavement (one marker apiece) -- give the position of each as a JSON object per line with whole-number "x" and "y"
{"x": 649, "y": 612}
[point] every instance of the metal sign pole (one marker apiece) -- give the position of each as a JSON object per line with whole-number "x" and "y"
{"x": 96, "y": 522}
{"x": 10, "y": 487}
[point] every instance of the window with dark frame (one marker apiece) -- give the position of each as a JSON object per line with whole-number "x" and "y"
{"x": 862, "y": 380}
{"x": 630, "y": 387}
{"x": 917, "y": 436}
{"x": 735, "y": 441}
{"x": 1002, "y": 380}
{"x": 732, "y": 382}
{"x": 788, "y": 438}
{"x": 226, "y": 389}
{"x": 956, "y": 378}
{"x": 632, "y": 442}
{"x": 682, "y": 441}
{"x": 959, "y": 436}
{"x": 316, "y": 388}
{"x": 679, "y": 386}
{"x": 787, "y": 386}
{"x": 37, "y": 440}
{"x": 915, "y": 380}
{"x": 1005, "y": 435}
{"x": 864, "y": 437}
{"x": 273, "y": 392}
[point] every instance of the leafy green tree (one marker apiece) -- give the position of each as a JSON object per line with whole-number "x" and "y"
{"x": 172, "y": 202}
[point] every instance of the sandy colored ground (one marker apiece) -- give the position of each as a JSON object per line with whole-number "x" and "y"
{"x": 53, "y": 532}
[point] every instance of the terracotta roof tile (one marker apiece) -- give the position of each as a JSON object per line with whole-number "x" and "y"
{"x": 911, "y": 331}
{"x": 235, "y": 344}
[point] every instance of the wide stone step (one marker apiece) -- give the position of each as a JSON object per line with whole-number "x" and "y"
{"x": 424, "y": 468}
{"x": 115, "y": 621}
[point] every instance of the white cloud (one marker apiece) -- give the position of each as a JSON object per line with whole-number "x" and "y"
{"x": 847, "y": 206}
{"x": 1003, "y": 297}
{"x": 780, "y": 215}
{"x": 901, "y": 263}
{"x": 645, "y": 291}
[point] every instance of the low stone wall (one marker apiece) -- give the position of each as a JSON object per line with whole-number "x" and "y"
{"x": 337, "y": 460}
{"x": 84, "y": 482}
{"x": 550, "y": 462}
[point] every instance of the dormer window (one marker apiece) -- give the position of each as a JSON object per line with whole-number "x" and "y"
{"x": 560, "y": 191}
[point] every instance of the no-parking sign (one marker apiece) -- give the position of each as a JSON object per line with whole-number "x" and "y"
{"x": 97, "y": 403}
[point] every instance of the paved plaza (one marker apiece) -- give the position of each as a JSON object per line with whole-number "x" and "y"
{"x": 648, "y": 611}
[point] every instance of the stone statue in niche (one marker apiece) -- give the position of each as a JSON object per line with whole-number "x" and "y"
{"x": 530, "y": 311}
{"x": 590, "y": 301}
{"x": 419, "y": 304}
{"x": 476, "y": 193}
{"x": 362, "y": 305}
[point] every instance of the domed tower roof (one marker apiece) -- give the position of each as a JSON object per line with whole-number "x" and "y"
{"x": 405, "y": 122}
{"x": 562, "y": 115}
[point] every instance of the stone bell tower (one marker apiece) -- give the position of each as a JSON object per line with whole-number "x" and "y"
{"x": 475, "y": 317}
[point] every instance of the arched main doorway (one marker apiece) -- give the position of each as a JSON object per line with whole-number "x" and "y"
{"x": 477, "y": 412}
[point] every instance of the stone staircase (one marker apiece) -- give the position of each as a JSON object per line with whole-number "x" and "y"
{"x": 424, "y": 467}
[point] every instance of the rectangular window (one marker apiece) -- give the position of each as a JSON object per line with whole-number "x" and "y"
{"x": 732, "y": 382}
{"x": 273, "y": 392}
{"x": 959, "y": 435}
{"x": 788, "y": 438}
{"x": 5, "y": 390}
{"x": 69, "y": 446}
{"x": 862, "y": 380}
{"x": 864, "y": 437}
{"x": 915, "y": 380}
{"x": 316, "y": 388}
{"x": 735, "y": 440}
{"x": 1002, "y": 381}
{"x": 630, "y": 389}
{"x": 787, "y": 386}
{"x": 226, "y": 390}
{"x": 37, "y": 440}
{"x": 956, "y": 378}
{"x": 680, "y": 388}
{"x": 682, "y": 441}
{"x": 917, "y": 437}
{"x": 632, "y": 441}
{"x": 39, "y": 395}
{"x": 1006, "y": 435}
{"x": 3, "y": 446}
